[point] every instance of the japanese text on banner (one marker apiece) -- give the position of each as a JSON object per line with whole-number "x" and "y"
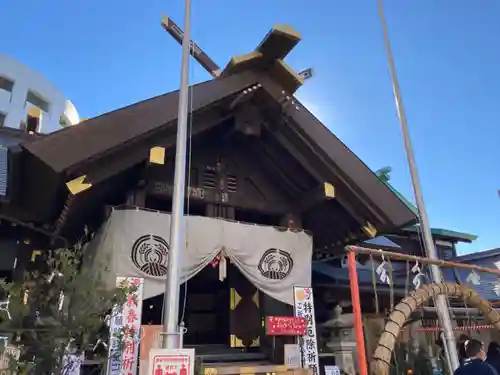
{"x": 304, "y": 308}
{"x": 126, "y": 324}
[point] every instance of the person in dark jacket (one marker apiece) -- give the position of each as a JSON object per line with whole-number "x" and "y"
{"x": 475, "y": 364}
{"x": 493, "y": 355}
{"x": 461, "y": 348}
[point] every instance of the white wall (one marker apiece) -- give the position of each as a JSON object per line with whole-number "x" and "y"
{"x": 14, "y": 106}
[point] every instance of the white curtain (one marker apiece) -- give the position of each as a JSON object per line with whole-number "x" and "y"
{"x": 136, "y": 243}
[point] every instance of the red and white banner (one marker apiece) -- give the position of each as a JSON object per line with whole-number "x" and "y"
{"x": 171, "y": 362}
{"x": 126, "y": 320}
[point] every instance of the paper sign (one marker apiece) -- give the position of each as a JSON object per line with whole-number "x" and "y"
{"x": 171, "y": 362}
{"x": 332, "y": 370}
{"x": 292, "y": 356}
{"x": 285, "y": 326}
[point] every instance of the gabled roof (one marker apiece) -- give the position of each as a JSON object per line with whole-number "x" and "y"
{"x": 101, "y": 148}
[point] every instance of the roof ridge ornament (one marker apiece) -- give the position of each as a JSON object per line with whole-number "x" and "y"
{"x": 269, "y": 55}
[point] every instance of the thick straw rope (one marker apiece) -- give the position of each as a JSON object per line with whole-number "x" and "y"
{"x": 383, "y": 354}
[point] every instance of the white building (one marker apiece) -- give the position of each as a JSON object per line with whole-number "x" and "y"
{"x": 25, "y": 92}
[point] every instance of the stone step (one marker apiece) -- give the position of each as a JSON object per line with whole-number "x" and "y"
{"x": 251, "y": 369}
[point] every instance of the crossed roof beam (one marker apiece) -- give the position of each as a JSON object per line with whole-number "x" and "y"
{"x": 268, "y": 55}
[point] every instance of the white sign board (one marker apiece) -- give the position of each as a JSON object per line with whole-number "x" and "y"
{"x": 171, "y": 362}
{"x": 126, "y": 319}
{"x": 332, "y": 370}
{"x": 304, "y": 308}
{"x": 292, "y": 356}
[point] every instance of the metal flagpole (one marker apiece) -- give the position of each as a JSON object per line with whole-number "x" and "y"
{"x": 441, "y": 305}
{"x": 177, "y": 226}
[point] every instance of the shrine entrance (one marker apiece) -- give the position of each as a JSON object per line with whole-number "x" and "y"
{"x": 204, "y": 299}
{"x": 221, "y": 313}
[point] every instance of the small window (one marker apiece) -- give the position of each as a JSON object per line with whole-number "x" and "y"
{"x": 37, "y": 101}
{"x": 63, "y": 122}
{"x": 2, "y": 118}
{"x": 6, "y": 84}
{"x": 6, "y": 87}
{"x": 33, "y": 118}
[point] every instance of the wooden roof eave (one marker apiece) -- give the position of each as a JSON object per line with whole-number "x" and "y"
{"x": 321, "y": 171}
{"x": 112, "y": 130}
{"x": 358, "y": 177}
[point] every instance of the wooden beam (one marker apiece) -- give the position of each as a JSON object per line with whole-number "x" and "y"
{"x": 405, "y": 257}
{"x": 277, "y": 166}
{"x": 340, "y": 193}
{"x": 198, "y": 54}
{"x": 292, "y": 114}
{"x": 33, "y": 228}
{"x": 61, "y": 220}
{"x": 137, "y": 152}
{"x": 322, "y": 193}
{"x": 306, "y": 162}
{"x": 161, "y": 189}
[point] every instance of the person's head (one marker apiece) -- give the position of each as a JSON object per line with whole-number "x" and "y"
{"x": 493, "y": 350}
{"x": 474, "y": 349}
{"x": 463, "y": 338}
{"x": 461, "y": 345}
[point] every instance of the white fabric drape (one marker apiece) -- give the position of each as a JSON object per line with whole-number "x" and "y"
{"x": 135, "y": 243}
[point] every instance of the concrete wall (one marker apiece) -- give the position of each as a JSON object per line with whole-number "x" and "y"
{"x": 19, "y": 84}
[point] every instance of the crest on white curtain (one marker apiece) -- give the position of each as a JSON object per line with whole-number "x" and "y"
{"x": 474, "y": 278}
{"x": 418, "y": 274}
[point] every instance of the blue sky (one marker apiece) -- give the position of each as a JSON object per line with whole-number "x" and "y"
{"x": 107, "y": 54}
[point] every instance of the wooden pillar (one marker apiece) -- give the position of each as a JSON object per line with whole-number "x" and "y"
{"x": 273, "y": 307}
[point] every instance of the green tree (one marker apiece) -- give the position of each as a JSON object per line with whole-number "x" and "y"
{"x": 59, "y": 308}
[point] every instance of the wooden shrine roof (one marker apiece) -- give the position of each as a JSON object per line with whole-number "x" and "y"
{"x": 105, "y": 150}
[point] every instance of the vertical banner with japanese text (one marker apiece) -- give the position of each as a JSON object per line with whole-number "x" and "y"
{"x": 304, "y": 308}
{"x": 125, "y": 325}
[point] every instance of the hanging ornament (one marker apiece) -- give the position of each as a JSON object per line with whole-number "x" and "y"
{"x": 382, "y": 273}
{"x": 417, "y": 279}
{"x": 221, "y": 261}
{"x": 474, "y": 278}
{"x": 4, "y": 306}
{"x": 496, "y": 288}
